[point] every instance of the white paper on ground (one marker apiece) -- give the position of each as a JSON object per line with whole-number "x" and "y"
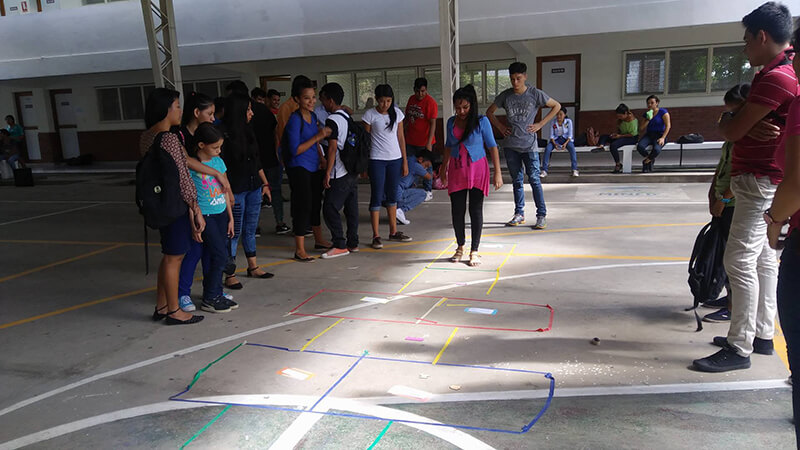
{"x": 407, "y": 392}
{"x": 375, "y": 299}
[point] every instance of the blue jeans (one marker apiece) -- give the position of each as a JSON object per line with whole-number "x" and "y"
{"x": 275, "y": 177}
{"x": 646, "y": 141}
{"x": 384, "y": 177}
{"x": 214, "y": 255}
{"x": 620, "y": 142}
{"x": 789, "y": 313}
{"x": 188, "y": 267}
{"x": 529, "y": 160}
{"x": 427, "y": 185}
{"x": 245, "y": 220}
{"x": 573, "y": 157}
{"x": 408, "y": 199}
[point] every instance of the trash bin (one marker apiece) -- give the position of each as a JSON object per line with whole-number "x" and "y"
{"x": 23, "y": 177}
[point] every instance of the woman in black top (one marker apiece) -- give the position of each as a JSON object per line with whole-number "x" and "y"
{"x": 248, "y": 183}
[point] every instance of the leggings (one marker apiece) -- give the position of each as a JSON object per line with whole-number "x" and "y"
{"x": 306, "y": 199}
{"x": 458, "y": 207}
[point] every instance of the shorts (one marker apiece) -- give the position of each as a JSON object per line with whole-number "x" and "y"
{"x": 176, "y": 238}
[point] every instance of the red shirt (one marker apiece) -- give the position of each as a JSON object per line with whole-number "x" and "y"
{"x": 775, "y": 86}
{"x": 418, "y": 116}
{"x": 793, "y": 129}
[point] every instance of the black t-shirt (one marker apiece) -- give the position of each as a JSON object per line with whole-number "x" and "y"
{"x": 241, "y": 155}
{"x": 264, "y": 124}
{"x": 187, "y": 139}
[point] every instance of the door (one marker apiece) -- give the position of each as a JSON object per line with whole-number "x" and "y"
{"x": 65, "y": 122}
{"x": 559, "y": 77}
{"x": 281, "y": 83}
{"x": 29, "y": 119}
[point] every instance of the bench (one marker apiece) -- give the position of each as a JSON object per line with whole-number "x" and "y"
{"x": 629, "y": 150}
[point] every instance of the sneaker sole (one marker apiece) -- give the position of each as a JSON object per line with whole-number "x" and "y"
{"x": 189, "y": 308}
{"x": 326, "y": 256}
{"x": 211, "y": 309}
{"x": 538, "y": 228}
{"x": 401, "y": 240}
{"x": 715, "y": 369}
{"x": 515, "y": 224}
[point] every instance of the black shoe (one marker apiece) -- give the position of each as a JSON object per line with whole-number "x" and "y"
{"x": 191, "y": 320}
{"x": 232, "y": 304}
{"x": 763, "y": 346}
{"x": 251, "y": 274}
{"x": 309, "y": 232}
{"x": 258, "y": 231}
{"x": 231, "y": 286}
{"x": 218, "y": 305}
{"x": 282, "y": 229}
{"x": 722, "y": 361}
{"x": 719, "y": 316}
{"x": 721, "y": 302}
{"x": 157, "y": 315}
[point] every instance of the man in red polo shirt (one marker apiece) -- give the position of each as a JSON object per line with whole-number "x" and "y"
{"x": 757, "y": 131}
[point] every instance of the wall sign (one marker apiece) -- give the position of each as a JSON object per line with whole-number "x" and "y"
{"x": 558, "y": 70}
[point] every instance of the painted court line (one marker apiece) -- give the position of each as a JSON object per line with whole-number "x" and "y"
{"x": 244, "y": 334}
{"x": 443, "y": 299}
{"x": 303, "y": 348}
{"x": 300, "y": 427}
{"x": 58, "y": 263}
{"x": 51, "y": 214}
{"x": 426, "y": 267}
{"x": 497, "y": 277}
{"x": 446, "y": 344}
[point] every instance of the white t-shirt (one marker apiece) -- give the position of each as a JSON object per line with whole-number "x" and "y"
{"x": 385, "y": 146}
{"x": 339, "y": 127}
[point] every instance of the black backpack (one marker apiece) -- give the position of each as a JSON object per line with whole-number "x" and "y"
{"x": 692, "y": 138}
{"x": 355, "y": 153}
{"x": 707, "y": 274}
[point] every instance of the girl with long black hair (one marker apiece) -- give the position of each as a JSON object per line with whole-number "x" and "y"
{"x": 387, "y": 161}
{"x": 465, "y": 169}
{"x": 248, "y": 184}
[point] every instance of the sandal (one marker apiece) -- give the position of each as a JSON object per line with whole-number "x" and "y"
{"x": 264, "y": 275}
{"x": 457, "y": 255}
{"x": 232, "y": 286}
{"x": 306, "y": 259}
{"x": 617, "y": 168}
{"x": 189, "y": 321}
{"x": 474, "y": 259}
{"x": 157, "y": 315}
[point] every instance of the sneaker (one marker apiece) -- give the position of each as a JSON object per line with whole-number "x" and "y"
{"x": 353, "y": 249}
{"x": 186, "y": 303}
{"x": 760, "y": 346}
{"x": 428, "y": 196}
{"x": 543, "y": 174}
{"x": 335, "y": 253}
{"x": 721, "y": 302}
{"x": 258, "y": 231}
{"x": 401, "y": 217}
{"x": 518, "y": 219}
{"x": 218, "y": 305}
{"x": 309, "y": 232}
{"x": 376, "y": 243}
{"x": 575, "y": 173}
{"x": 229, "y": 301}
{"x": 723, "y": 315}
{"x": 722, "y": 361}
{"x": 282, "y": 229}
{"x": 541, "y": 223}
{"x": 399, "y": 236}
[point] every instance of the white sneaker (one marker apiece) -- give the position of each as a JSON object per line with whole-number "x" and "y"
{"x": 401, "y": 217}
{"x": 575, "y": 173}
{"x": 428, "y": 196}
{"x": 186, "y": 303}
{"x": 543, "y": 174}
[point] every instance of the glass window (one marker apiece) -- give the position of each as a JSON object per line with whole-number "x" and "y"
{"x": 434, "y": 77}
{"x": 365, "y": 88}
{"x": 132, "y": 103}
{"x": 402, "y": 83}
{"x": 209, "y": 88}
{"x": 345, "y": 80}
{"x": 729, "y": 67}
{"x": 645, "y": 73}
{"x": 147, "y": 90}
{"x": 497, "y": 79}
{"x": 473, "y": 74}
{"x": 187, "y": 88}
{"x": 687, "y": 70}
{"x": 108, "y": 100}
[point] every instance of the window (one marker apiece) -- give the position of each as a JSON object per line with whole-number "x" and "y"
{"x": 345, "y": 80}
{"x": 132, "y": 103}
{"x": 472, "y": 73}
{"x": 211, "y": 88}
{"x": 497, "y": 80}
{"x": 645, "y": 73}
{"x": 122, "y": 103}
{"x": 434, "y": 77}
{"x": 402, "y": 83}
{"x": 109, "y": 104}
{"x": 365, "y": 88}
{"x": 687, "y": 71}
{"x": 729, "y": 67}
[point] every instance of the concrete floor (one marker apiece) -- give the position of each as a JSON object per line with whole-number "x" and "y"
{"x": 84, "y": 367}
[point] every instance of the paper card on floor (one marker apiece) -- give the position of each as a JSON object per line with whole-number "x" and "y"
{"x": 375, "y": 299}
{"x": 414, "y": 338}
{"x": 407, "y": 392}
{"x": 297, "y": 374}
{"x": 486, "y": 311}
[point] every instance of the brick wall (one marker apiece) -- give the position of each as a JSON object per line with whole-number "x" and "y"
{"x": 685, "y": 120}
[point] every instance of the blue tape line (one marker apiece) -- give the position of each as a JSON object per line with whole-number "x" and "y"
{"x": 339, "y": 380}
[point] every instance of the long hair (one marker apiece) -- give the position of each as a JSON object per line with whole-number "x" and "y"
{"x": 238, "y": 131}
{"x": 207, "y": 134}
{"x": 195, "y": 100}
{"x": 468, "y": 93}
{"x": 158, "y": 104}
{"x": 384, "y": 90}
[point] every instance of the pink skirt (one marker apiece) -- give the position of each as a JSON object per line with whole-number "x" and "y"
{"x": 463, "y": 173}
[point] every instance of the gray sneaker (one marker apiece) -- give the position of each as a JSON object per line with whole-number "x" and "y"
{"x": 518, "y": 219}
{"x": 541, "y": 223}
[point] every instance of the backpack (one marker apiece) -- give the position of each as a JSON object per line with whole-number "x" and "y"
{"x": 592, "y": 137}
{"x": 692, "y": 138}
{"x": 355, "y": 153}
{"x": 158, "y": 190}
{"x": 706, "y": 271}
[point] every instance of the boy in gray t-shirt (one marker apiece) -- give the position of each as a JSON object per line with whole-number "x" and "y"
{"x": 522, "y": 103}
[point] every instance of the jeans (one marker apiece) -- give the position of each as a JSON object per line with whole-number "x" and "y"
{"x": 458, "y": 207}
{"x": 214, "y": 254}
{"x": 306, "y": 199}
{"x": 342, "y": 193}
{"x": 573, "y": 157}
{"x": 245, "y": 221}
{"x": 789, "y": 313}
{"x": 751, "y": 265}
{"x": 275, "y": 178}
{"x": 384, "y": 177}
{"x": 408, "y": 199}
{"x": 189, "y": 265}
{"x": 646, "y": 141}
{"x": 529, "y": 160}
{"x": 621, "y": 142}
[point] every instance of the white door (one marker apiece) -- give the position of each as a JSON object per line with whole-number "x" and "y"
{"x": 67, "y": 125}
{"x": 30, "y": 122}
{"x": 558, "y": 80}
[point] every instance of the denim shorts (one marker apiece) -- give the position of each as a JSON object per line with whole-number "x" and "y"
{"x": 176, "y": 238}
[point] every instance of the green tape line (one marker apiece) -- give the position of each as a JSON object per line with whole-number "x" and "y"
{"x": 200, "y": 372}
{"x": 380, "y": 436}
{"x": 205, "y": 427}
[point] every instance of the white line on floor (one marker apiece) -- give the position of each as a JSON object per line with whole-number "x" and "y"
{"x": 51, "y": 214}
{"x": 242, "y": 335}
{"x": 292, "y": 435}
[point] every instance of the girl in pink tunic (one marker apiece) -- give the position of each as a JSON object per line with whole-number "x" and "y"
{"x": 467, "y": 169}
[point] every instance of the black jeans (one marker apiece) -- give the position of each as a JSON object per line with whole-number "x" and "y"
{"x": 215, "y": 242}
{"x": 458, "y": 207}
{"x": 620, "y": 142}
{"x": 306, "y": 199}
{"x": 789, "y": 314}
{"x": 342, "y": 193}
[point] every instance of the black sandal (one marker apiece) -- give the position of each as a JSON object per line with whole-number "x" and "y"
{"x": 617, "y": 168}
{"x": 231, "y": 286}
{"x": 306, "y": 259}
{"x": 157, "y": 315}
{"x": 264, "y": 275}
{"x": 189, "y": 321}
